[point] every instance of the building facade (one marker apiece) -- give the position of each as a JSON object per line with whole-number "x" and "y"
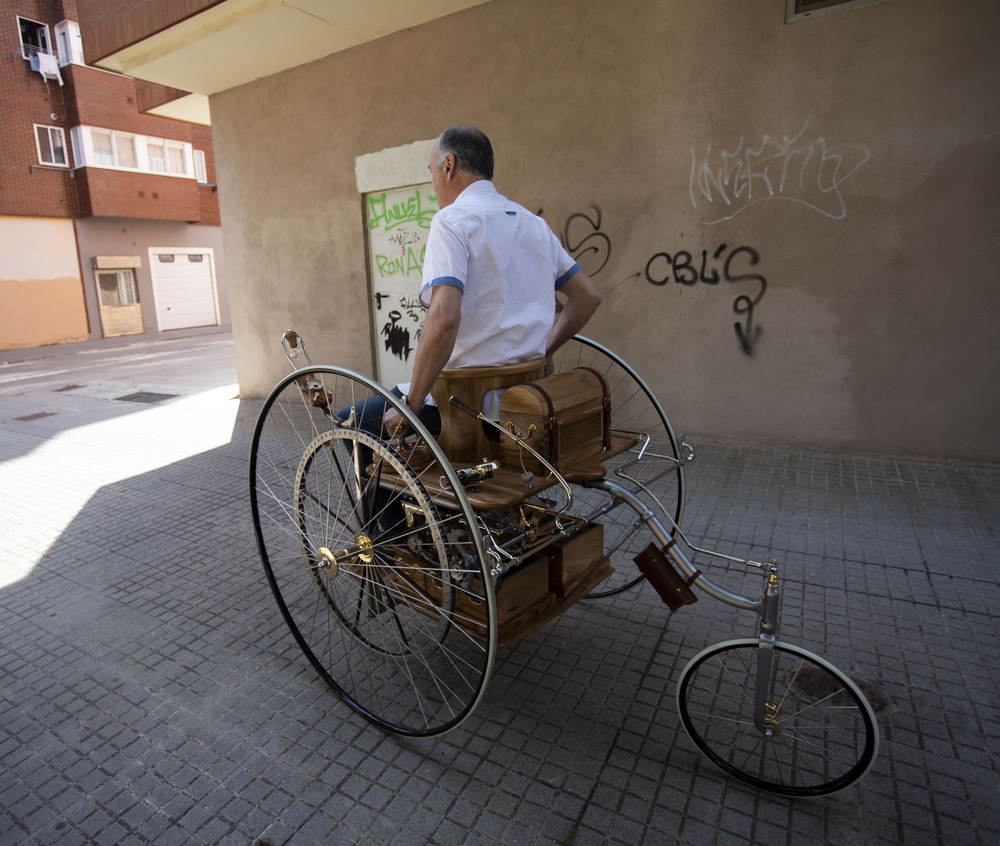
{"x": 109, "y": 216}
{"x": 790, "y": 206}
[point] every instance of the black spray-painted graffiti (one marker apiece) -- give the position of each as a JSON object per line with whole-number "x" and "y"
{"x": 396, "y": 333}
{"x": 397, "y": 337}
{"x": 584, "y": 239}
{"x": 685, "y": 269}
{"x": 800, "y": 169}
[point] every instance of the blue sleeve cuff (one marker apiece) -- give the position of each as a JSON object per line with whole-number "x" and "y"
{"x": 569, "y": 274}
{"x": 448, "y": 280}
{"x": 425, "y": 292}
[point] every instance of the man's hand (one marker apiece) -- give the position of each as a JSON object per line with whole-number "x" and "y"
{"x": 394, "y": 423}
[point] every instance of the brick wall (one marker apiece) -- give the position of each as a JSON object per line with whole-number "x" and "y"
{"x": 27, "y": 99}
{"x": 91, "y": 97}
{"x": 143, "y": 196}
{"x": 201, "y": 138}
{"x": 106, "y": 99}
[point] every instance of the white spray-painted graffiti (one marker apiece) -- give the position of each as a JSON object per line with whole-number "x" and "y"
{"x": 800, "y": 169}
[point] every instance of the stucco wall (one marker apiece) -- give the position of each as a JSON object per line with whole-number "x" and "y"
{"x": 840, "y": 174}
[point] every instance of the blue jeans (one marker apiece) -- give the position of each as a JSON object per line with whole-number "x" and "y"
{"x": 368, "y": 418}
{"x": 369, "y": 414}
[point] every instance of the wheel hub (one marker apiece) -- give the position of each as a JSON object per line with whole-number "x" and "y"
{"x": 365, "y": 548}
{"x": 327, "y": 561}
{"x": 772, "y": 727}
{"x": 362, "y": 550}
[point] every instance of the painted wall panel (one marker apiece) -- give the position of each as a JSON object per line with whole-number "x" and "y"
{"x": 41, "y": 295}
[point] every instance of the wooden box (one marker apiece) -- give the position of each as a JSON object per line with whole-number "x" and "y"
{"x": 571, "y": 560}
{"x": 523, "y": 595}
{"x": 565, "y": 418}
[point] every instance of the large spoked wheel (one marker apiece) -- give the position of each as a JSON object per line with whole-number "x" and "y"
{"x": 818, "y": 732}
{"x": 383, "y": 585}
{"x": 654, "y": 464}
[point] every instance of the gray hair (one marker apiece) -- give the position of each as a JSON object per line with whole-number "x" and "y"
{"x": 470, "y": 147}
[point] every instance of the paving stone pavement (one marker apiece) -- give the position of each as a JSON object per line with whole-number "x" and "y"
{"x": 150, "y": 692}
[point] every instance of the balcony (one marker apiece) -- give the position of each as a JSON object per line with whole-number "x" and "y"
{"x": 143, "y": 196}
{"x": 207, "y": 46}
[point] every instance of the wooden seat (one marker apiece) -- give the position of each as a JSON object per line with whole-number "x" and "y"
{"x": 462, "y": 437}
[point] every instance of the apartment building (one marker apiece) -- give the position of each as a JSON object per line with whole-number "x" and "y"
{"x": 109, "y": 213}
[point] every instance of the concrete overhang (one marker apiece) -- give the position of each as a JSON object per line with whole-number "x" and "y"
{"x": 237, "y": 41}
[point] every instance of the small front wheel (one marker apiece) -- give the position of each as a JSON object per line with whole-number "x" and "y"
{"x": 812, "y": 733}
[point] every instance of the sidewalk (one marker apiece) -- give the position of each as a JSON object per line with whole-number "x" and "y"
{"x": 151, "y": 693}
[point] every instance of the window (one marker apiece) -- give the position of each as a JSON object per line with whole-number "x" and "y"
{"x": 104, "y": 151}
{"x": 34, "y": 38}
{"x": 125, "y": 151}
{"x": 157, "y": 158}
{"x": 117, "y": 287}
{"x": 96, "y": 147}
{"x": 113, "y": 149}
{"x": 800, "y": 10}
{"x": 175, "y": 158}
{"x": 200, "y": 172}
{"x": 167, "y": 157}
{"x": 51, "y": 142}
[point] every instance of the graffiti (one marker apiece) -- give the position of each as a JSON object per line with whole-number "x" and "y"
{"x": 583, "y": 239}
{"x": 798, "y": 169}
{"x": 397, "y": 337}
{"x": 411, "y": 208}
{"x": 411, "y": 305}
{"x": 685, "y": 269}
{"x": 745, "y": 304}
{"x": 410, "y": 262}
{"x": 397, "y": 221}
{"x": 403, "y": 238}
{"x": 414, "y": 310}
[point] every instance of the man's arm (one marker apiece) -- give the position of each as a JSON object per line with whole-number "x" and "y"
{"x": 582, "y": 300}
{"x": 437, "y": 340}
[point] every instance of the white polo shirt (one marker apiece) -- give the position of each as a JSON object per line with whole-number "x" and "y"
{"x": 508, "y": 265}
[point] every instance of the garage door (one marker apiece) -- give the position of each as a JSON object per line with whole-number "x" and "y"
{"x": 184, "y": 287}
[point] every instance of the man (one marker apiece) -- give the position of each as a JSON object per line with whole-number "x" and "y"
{"x": 491, "y": 272}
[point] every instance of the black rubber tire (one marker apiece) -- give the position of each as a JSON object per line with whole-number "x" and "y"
{"x": 823, "y": 731}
